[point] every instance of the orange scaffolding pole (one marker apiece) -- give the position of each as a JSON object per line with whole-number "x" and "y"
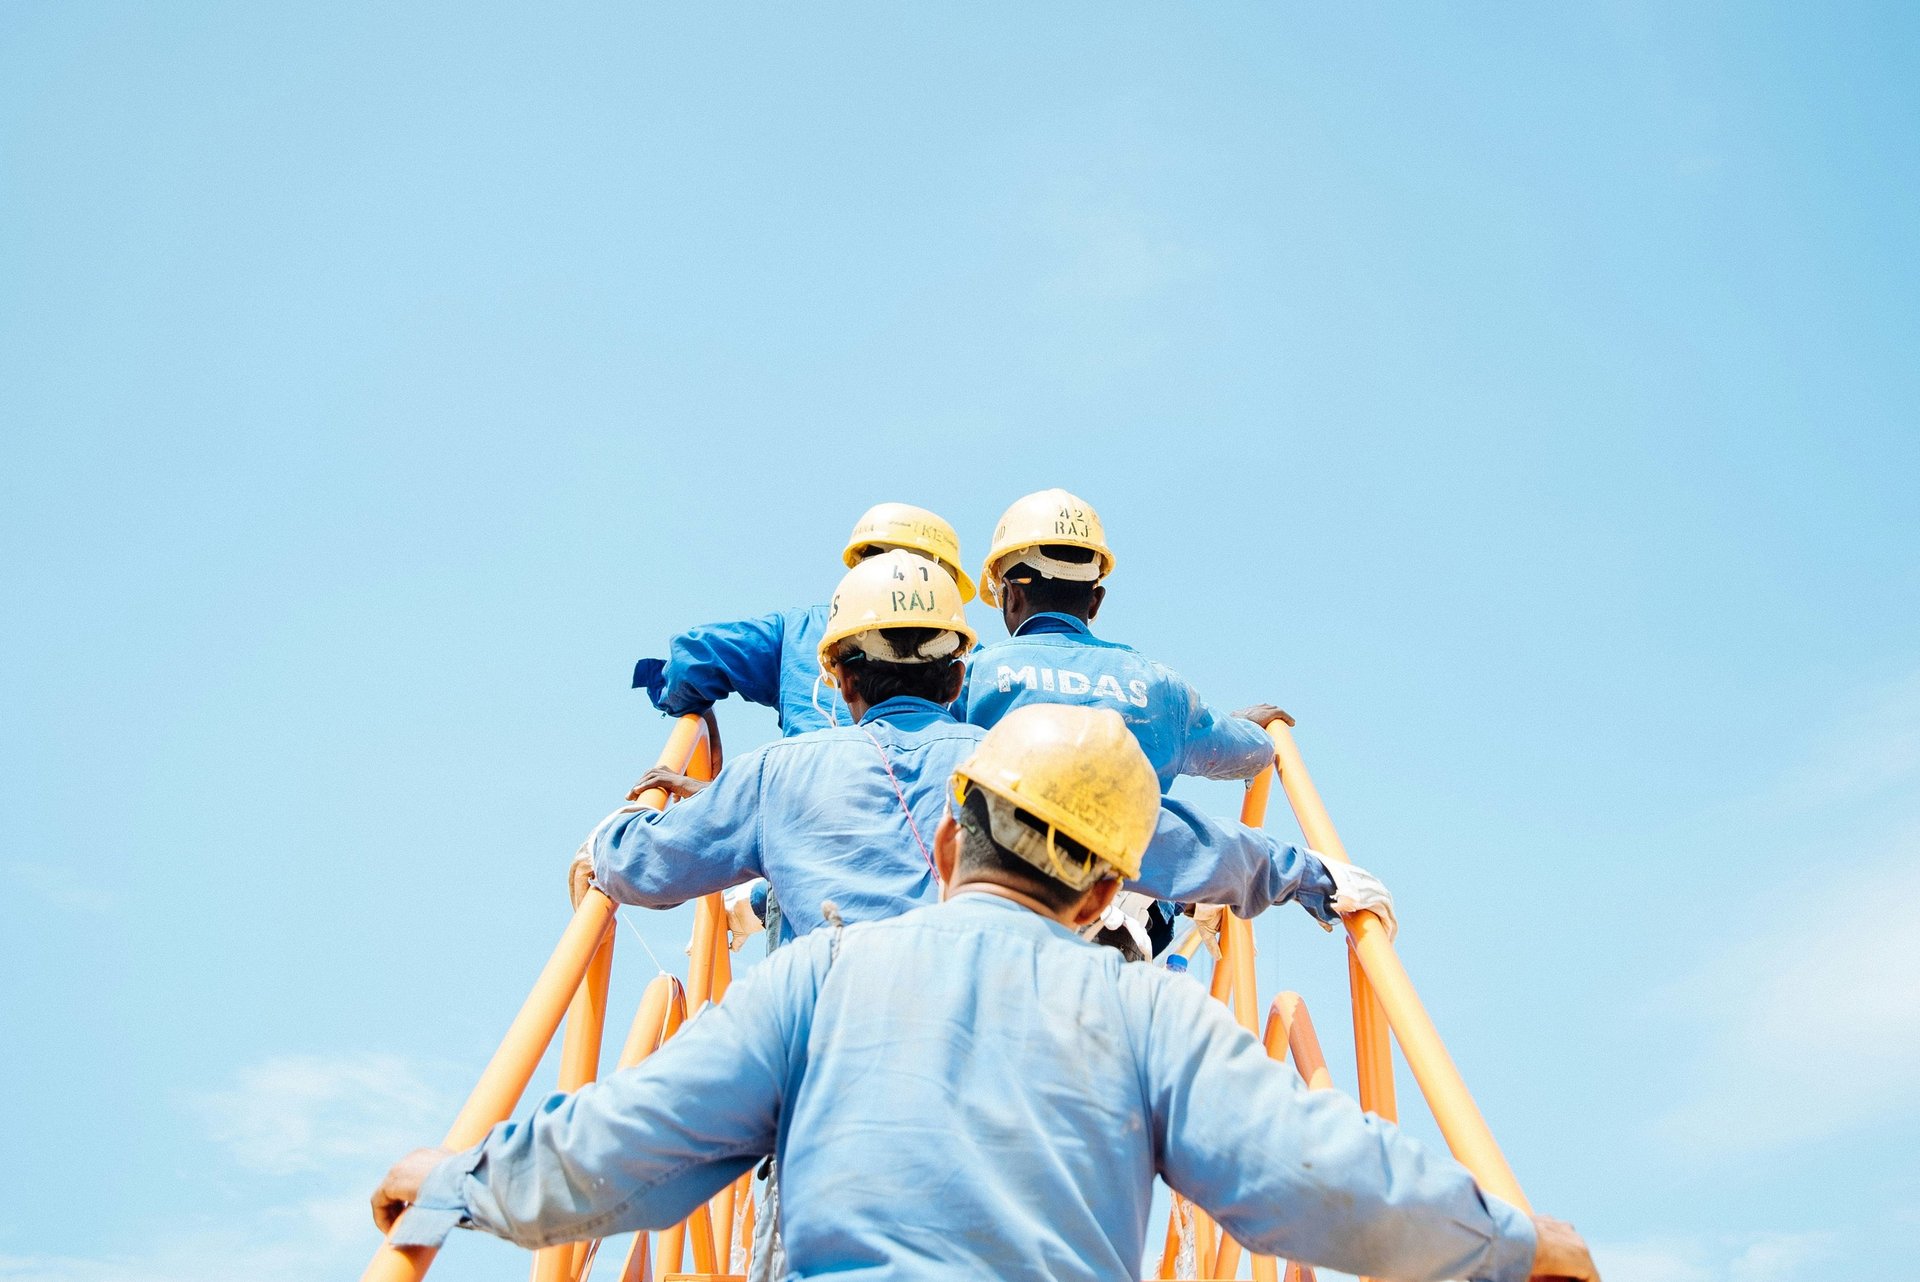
{"x": 1459, "y": 1118}
{"x": 506, "y": 1075}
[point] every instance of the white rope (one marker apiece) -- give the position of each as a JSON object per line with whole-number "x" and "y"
{"x": 642, "y": 938}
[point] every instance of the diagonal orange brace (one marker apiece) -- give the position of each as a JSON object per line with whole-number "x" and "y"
{"x": 506, "y": 1076}
{"x": 1459, "y": 1118}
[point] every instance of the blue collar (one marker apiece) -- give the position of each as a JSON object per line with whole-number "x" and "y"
{"x": 905, "y": 705}
{"x": 1049, "y": 621}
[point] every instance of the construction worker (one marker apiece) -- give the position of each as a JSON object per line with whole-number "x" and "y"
{"x": 1044, "y": 571}
{"x": 971, "y": 1091}
{"x": 772, "y": 660}
{"x": 846, "y": 815}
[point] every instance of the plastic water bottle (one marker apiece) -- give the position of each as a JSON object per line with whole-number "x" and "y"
{"x": 1176, "y": 962}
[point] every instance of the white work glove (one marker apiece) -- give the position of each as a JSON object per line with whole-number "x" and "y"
{"x": 1207, "y": 920}
{"x": 1128, "y": 915}
{"x": 1357, "y": 890}
{"x": 742, "y": 923}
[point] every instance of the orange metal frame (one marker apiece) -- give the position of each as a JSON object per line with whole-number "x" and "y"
{"x": 585, "y": 953}
{"x": 575, "y": 981}
{"x": 1384, "y": 1001}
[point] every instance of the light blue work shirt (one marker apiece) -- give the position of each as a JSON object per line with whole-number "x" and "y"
{"x": 773, "y": 660}
{"x": 1055, "y": 658}
{"x": 819, "y": 816}
{"x": 970, "y": 1091}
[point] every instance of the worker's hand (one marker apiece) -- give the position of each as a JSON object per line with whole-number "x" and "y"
{"x": 714, "y": 756}
{"x": 672, "y": 782}
{"x": 1207, "y": 920}
{"x": 580, "y": 873}
{"x": 1560, "y": 1253}
{"x": 402, "y": 1186}
{"x": 742, "y": 922}
{"x": 1207, "y": 916}
{"x": 1264, "y": 715}
{"x": 1357, "y": 890}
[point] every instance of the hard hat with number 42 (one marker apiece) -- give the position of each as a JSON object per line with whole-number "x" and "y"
{"x": 902, "y": 525}
{"x": 897, "y": 589}
{"x": 1077, "y": 770}
{"x": 1051, "y": 518}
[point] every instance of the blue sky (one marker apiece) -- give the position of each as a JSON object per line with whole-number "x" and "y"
{"x": 1523, "y": 397}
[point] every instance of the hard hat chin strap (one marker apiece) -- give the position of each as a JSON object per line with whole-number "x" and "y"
{"x": 1019, "y": 837}
{"x": 875, "y": 644}
{"x": 1049, "y": 567}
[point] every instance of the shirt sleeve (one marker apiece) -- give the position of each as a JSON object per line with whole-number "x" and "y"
{"x": 646, "y": 1146}
{"x": 708, "y": 842}
{"x": 706, "y": 664}
{"x": 1219, "y": 745}
{"x": 1196, "y": 859}
{"x": 1305, "y": 1175}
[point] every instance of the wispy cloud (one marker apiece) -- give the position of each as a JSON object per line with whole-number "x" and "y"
{"x": 61, "y": 888}
{"x": 1812, "y": 1012}
{"x": 296, "y": 1113}
{"x": 1871, "y": 751}
{"x": 1753, "y": 1257}
{"x": 322, "y": 1126}
{"x": 308, "y": 1241}
{"x": 1111, "y": 255}
{"x": 1816, "y": 1024}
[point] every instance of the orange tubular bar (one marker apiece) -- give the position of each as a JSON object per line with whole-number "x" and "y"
{"x": 1290, "y": 1029}
{"x": 579, "y": 1064}
{"x": 506, "y": 1075}
{"x": 1459, "y": 1118}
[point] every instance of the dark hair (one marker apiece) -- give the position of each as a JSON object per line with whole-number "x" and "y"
{"x": 1056, "y": 596}
{"x": 981, "y": 856}
{"x": 877, "y": 681}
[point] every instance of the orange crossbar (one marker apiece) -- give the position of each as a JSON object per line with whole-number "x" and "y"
{"x": 1459, "y": 1118}
{"x": 506, "y": 1075}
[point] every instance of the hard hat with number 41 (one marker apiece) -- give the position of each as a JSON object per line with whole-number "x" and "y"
{"x": 897, "y": 589}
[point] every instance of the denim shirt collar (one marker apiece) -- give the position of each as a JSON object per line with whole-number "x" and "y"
{"x": 1051, "y": 621}
{"x": 906, "y": 706}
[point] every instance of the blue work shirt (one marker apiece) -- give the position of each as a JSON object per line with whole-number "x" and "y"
{"x": 773, "y": 660}
{"x": 818, "y": 816}
{"x": 970, "y": 1091}
{"x": 1055, "y": 658}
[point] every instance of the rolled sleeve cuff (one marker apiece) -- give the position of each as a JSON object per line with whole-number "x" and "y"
{"x": 1511, "y": 1255}
{"x": 441, "y": 1207}
{"x": 1316, "y": 888}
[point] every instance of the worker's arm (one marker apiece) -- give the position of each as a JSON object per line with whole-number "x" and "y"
{"x": 710, "y": 841}
{"x": 706, "y": 664}
{"x": 1215, "y": 745}
{"x": 1305, "y": 1175}
{"x": 639, "y": 1150}
{"x": 1196, "y": 859}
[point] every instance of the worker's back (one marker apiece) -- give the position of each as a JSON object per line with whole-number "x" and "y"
{"x": 969, "y": 1091}
{"x": 845, "y": 814}
{"x": 849, "y": 814}
{"x": 977, "y": 1093}
{"x": 970, "y": 1105}
{"x": 1056, "y": 659}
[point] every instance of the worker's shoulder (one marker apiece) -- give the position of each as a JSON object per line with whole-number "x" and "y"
{"x": 834, "y": 738}
{"x": 805, "y": 616}
{"x": 1152, "y": 992}
{"x": 1007, "y": 646}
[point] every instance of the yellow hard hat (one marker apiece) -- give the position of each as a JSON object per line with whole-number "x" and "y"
{"x": 897, "y": 589}
{"x": 1049, "y": 518}
{"x": 1081, "y": 773}
{"x": 902, "y": 525}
